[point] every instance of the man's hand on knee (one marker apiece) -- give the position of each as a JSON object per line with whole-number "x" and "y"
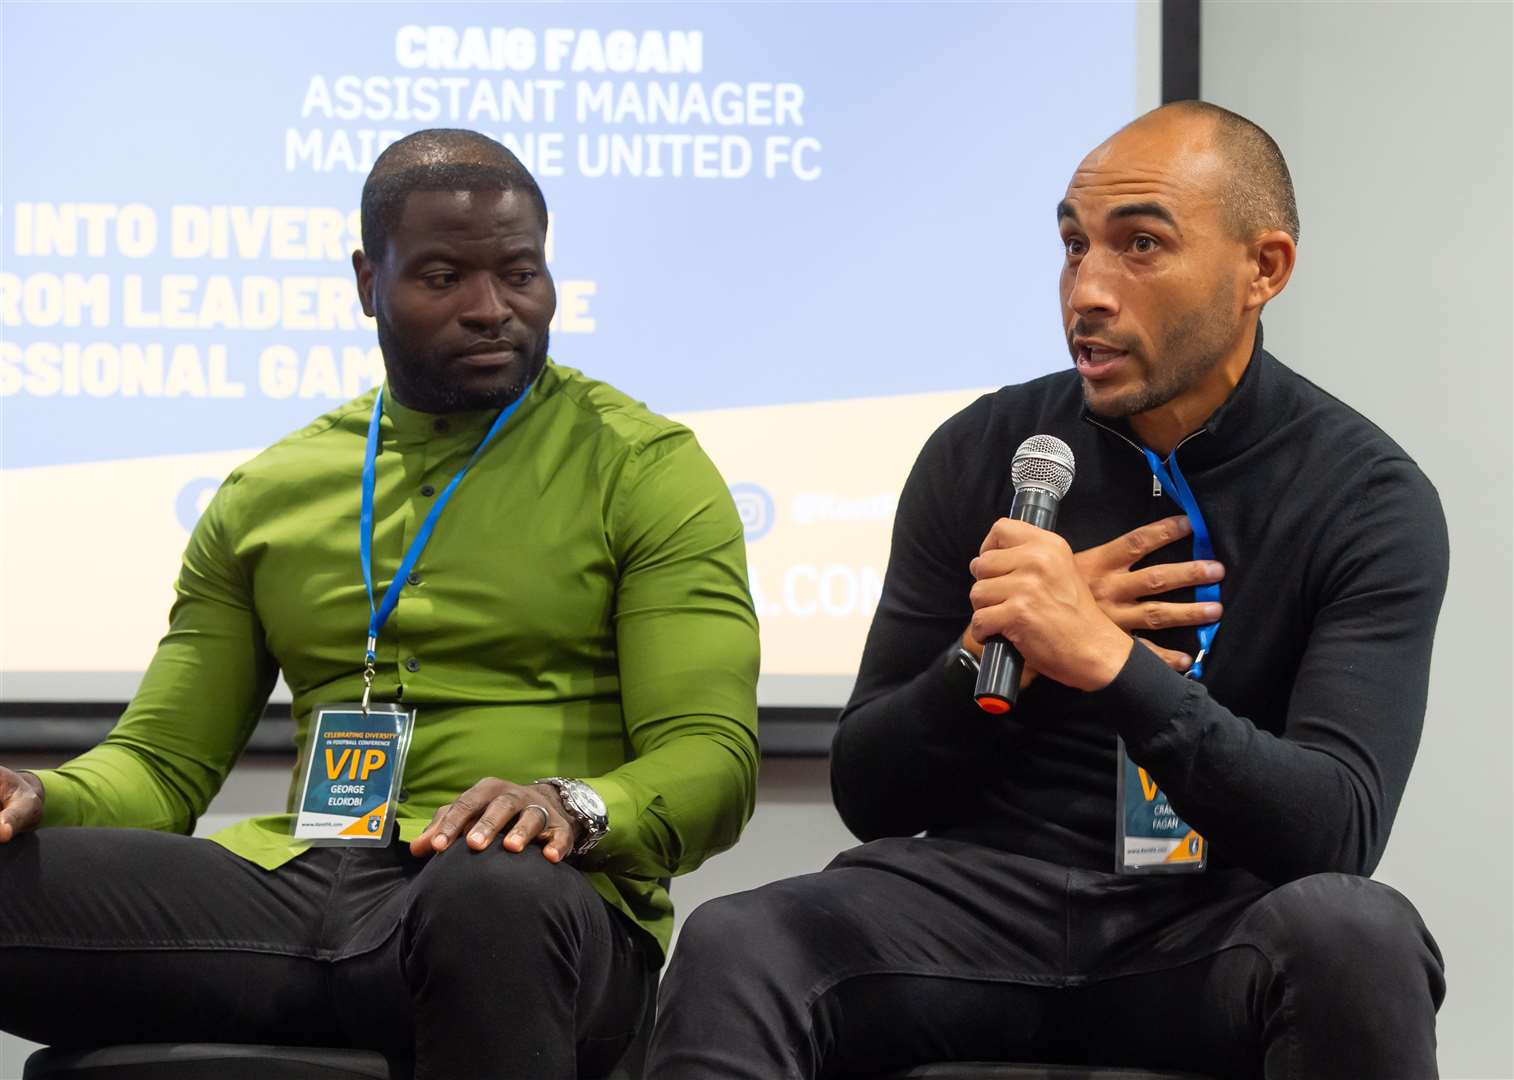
{"x": 491, "y": 804}
{"x": 20, "y": 803}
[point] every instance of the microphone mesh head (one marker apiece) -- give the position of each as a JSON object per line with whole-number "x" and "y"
{"x": 1043, "y": 461}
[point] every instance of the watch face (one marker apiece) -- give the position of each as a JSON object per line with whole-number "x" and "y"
{"x": 590, "y": 799}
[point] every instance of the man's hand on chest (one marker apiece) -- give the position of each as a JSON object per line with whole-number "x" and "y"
{"x": 1076, "y": 610}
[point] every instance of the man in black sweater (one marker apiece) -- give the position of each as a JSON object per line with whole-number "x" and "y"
{"x": 1007, "y": 931}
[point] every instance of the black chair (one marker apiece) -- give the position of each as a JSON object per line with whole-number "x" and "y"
{"x": 987, "y": 1070}
{"x": 219, "y": 1061}
{"x": 230, "y": 1061}
{"x": 207, "y": 1061}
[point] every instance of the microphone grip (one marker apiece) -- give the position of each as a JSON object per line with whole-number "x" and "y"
{"x": 1002, "y": 666}
{"x": 998, "y": 676}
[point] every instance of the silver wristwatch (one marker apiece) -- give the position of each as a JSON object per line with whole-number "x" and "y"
{"x": 584, "y": 806}
{"x": 962, "y": 671}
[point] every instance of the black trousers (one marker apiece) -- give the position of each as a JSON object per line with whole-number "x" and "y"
{"x": 911, "y": 950}
{"x": 474, "y": 964}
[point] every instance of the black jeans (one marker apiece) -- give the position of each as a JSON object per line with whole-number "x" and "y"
{"x": 476, "y": 964}
{"x": 912, "y": 950}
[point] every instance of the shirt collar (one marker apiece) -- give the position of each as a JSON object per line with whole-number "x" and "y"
{"x": 410, "y": 427}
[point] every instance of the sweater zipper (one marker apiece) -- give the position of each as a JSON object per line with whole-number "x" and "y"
{"x": 1156, "y": 485}
{"x": 1156, "y": 489}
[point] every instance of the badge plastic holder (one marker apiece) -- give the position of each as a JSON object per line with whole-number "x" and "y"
{"x": 1152, "y": 839}
{"x": 355, "y": 760}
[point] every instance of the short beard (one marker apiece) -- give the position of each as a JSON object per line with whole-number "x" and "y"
{"x": 415, "y": 382}
{"x": 1190, "y": 349}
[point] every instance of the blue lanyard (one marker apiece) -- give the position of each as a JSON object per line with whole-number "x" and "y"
{"x": 1171, "y": 479}
{"x": 379, "y": 613}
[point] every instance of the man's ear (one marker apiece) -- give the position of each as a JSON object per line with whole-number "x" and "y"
{"x": 363, "y": 269}
{"x": 1273, "y": 255}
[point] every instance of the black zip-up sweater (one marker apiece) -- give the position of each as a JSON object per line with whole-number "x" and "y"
{"x": 1290, "y": 755}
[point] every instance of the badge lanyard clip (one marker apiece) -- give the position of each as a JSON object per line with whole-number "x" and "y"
{"x": 369, "y": 672}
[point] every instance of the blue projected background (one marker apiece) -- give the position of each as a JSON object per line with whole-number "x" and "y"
{"x": 791, "y": 226}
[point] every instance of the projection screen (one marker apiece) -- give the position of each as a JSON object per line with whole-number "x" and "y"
{"x": 811, "y": 232}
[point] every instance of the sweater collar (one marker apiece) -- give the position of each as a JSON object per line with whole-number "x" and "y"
{"x": 1240, "y": 421}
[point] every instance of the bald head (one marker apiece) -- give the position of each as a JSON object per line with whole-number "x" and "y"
{"x": 438, "y": 159}
{"x": 1251, "y": 181}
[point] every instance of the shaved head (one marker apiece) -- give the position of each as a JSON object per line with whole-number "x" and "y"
{"x": 1178, "y": 229}
{"x": 1255, "y": 188}
{"x": 438, "y": 159}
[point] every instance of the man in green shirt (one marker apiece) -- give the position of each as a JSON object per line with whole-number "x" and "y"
{"x": 581, "y": 611}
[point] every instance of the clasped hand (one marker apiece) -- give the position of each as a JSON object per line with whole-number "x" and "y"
{"x": 491, "y": 804}
{"x": 20, "y": 803}
{"x": 1071, "y": 615}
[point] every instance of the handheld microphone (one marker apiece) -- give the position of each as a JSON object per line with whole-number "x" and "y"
{"x": 1042, "y": 472}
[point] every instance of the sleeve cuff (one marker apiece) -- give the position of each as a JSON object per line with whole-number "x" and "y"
{"x": 622, "y": 812}
{"x": 59, "y": 807}
{"x": 942, "y": 701}
{"x": 1144, "y": 697}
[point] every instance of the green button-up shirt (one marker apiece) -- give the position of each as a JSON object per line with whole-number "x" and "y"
{"x": 581, "y": 610}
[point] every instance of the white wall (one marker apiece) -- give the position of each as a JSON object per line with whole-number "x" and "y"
{"x": 1396, "y": 120}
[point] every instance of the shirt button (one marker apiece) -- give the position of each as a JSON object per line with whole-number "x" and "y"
{"x": 404, "y": 795}
{"x": 427, "y": 490}
{"x": 413, "y": 579}
{"x": 440, "y": 426}
{"x": 412, "y": 664}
